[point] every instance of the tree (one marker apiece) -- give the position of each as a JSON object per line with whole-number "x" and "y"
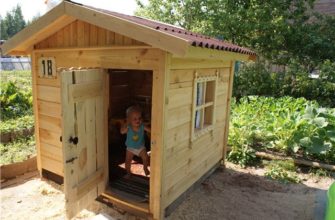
{"x": 279, "y": 30}
{"x": 12, "y": 23}
{"x": 33, "y": 19}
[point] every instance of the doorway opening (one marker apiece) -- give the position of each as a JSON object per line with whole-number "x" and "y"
{"x": 128, "y": 88}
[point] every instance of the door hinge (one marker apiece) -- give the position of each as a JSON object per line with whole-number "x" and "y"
{"x": 71, "y": 160}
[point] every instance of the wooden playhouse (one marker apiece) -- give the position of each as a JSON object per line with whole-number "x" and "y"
{"x": 89, "y": 65}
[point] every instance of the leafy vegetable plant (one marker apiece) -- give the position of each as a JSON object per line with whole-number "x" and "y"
{"x": 293, "y": 126}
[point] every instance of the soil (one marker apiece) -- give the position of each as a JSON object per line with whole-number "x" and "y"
{"x": 230, "y": 193}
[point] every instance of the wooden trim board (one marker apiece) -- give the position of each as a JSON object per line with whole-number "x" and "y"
{"x": 135, "y": 208}
{"x": 230, "y": 91}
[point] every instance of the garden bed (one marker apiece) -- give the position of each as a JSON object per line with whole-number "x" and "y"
{"x": 11, "y": 136}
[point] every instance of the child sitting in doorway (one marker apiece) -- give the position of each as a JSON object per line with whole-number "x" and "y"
{"x": 134, "y": 128}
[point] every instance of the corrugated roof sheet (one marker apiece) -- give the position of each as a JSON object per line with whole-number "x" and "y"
{"x": 197, "y": 40}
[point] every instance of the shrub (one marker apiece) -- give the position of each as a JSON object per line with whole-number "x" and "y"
{"x": 295, "y": 81}
{"x": 14, "y": 101}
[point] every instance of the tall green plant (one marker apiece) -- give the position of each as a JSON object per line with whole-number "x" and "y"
{"x": 14, "y": 102}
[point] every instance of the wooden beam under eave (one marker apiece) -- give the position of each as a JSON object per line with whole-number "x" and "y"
{"x": 19, "y": 53}
{"x": 155, "y": 38}
{"x": 42, "y": 28}
{"x": 205, "y": 53}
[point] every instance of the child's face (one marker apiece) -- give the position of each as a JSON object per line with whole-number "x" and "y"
{"x": 135, "y": 119}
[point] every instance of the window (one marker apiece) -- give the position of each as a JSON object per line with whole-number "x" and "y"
{"x": 204, "y": 94}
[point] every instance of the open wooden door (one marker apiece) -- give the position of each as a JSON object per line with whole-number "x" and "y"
{"x": 83, "y": 137}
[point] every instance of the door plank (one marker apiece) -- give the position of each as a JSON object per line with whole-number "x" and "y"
{"x": 84, "y": 91}
{"x": 88, "y": 184}
{"x": 69, "y": 151}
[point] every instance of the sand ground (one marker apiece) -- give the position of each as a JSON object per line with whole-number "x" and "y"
{"x": 230, "y": 193}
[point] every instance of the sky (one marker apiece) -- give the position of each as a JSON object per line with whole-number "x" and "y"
{"x": 31, "y": 8}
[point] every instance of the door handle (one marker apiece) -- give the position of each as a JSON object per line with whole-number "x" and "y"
{"x": 74, "y": 140}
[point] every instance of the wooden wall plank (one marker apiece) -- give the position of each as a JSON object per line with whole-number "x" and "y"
{"x": 52, "y": 152}
{"x": 47, "y": 93}
{"x": 53, "y": 82}
{"x": 180, "y": 97}
{"x": 192, "y": 153}
{"x": 60, "y": 38}
{"x": 67, "y": 40}
{"x": 50, "y": 123}
{"x": 102, "y": 37}
{"x": 51, "y": 109}
{"x": 178, "y": 135}
{"x": 195, "y": 173}
{"x": 93, "y": 35}
{"x": 50, "y": 137}
{"x": 73, "y": 34}
{"x": 179, "y": 116}
{"x": 52, "y": 165}
{"x": 81, "y": 33}
{"x": 118, "y": 39}
{"x": 86, "y": 34}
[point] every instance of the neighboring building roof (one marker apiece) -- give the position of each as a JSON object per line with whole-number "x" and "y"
{"x": 197, "y": 40}
{"x": 157, "y": 34}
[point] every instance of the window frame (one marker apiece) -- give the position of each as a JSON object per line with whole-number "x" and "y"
{"x": 207, "y": 122}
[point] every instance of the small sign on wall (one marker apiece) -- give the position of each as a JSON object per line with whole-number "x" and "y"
{"x": 47, "y": 67}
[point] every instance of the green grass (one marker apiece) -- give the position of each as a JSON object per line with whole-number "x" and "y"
{"x": 17, "y": 151}
{"x": 283, "y": 171}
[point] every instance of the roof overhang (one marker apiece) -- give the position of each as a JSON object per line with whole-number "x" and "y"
{"x": 67, "y": 12}
{"x": 206, "y": 53}
{"x": 48, "y": 24}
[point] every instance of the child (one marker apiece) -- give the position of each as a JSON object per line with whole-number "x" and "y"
{"x": 135, "y": 138}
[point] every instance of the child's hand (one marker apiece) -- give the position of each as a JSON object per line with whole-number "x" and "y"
{"x": 147, "y": 128}
{"x": 124, "y": 127}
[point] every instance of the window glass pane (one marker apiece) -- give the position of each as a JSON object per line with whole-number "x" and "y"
{"x": 208, "y": 117}
{"x": 198, "y": 115}
{"x": 200, "y": 93}
{"x": 210, "y": 90}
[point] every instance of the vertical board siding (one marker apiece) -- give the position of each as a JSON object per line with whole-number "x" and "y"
{"x": 82, "y": 34}
{"x": 185, "y": 161}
